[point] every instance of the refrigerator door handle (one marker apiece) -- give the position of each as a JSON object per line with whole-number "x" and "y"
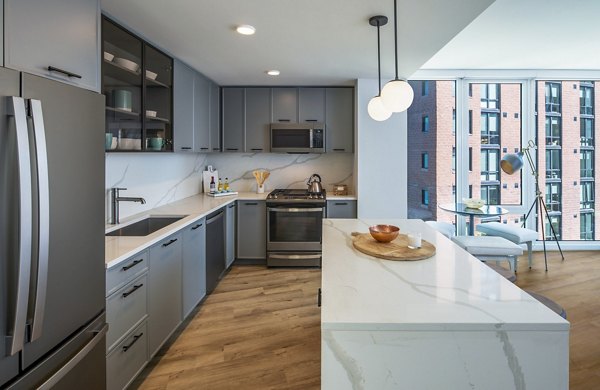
{"x": 43, "y": 217}
{"x": 68, "y": 366}
{"x": 16, "y": 339}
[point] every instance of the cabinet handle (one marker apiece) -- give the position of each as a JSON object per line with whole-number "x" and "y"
{"x": 169, "y": 243}
{"x": 256, "y": 149}
{"x": 319, "y": 298}
{"x": 186, "y": 148}
{"x": 310, "y": 120}
{"x": 251, "y": 204}
{"x": 216, "y": 149}
{"x": 197, "y": 226}
{"x": 339, "y": 150}
{"x": 231, "y": 206}
{"x": 231, "y": 149}
{"x": 135, "y": 339}
{"x": 283, "y": 120}
{"x": 65, "y": 72}
{"x": 341, "y": 203}
{"x": 135, "y": 287}
{"x": 203, "y": 148}
{"x": 135, "y": 262}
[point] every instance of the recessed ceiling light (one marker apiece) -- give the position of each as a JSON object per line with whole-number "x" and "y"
{"x": 273, "y": 72}
{"x": 246, "y": 29}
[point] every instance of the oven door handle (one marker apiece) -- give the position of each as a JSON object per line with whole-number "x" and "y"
{"x": 295, "y": 257}
{"x": 295, "y": 210}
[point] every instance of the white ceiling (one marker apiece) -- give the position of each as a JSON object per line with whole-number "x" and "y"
{"x": 312, "y": 42}
{"x": 527, "y": 34}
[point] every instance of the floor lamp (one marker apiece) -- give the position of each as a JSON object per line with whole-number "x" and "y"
{"x": 512, "y": 163}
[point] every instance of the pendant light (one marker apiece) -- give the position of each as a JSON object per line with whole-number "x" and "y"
{"x": 376, "y": 108}
{"x": 397, "y": 95}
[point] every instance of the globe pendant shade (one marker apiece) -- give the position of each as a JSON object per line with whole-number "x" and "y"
{"x": 377, "y": 110}
{"x": 397, "y": 95}
{"x": 511, "y": 163}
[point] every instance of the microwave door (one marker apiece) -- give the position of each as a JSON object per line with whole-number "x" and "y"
{"x": 290, "y": 140}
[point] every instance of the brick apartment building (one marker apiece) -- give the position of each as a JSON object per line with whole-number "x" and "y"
{"x": 565, "y": 132}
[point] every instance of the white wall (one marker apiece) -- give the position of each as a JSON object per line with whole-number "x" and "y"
{"x": 381, "y": 159}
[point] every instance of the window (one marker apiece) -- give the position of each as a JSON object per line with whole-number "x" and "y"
{"x": 424, "y": 88}
{"x": 552, "y": 97}
{"x": 490, "y": 194}
{"x": 490, "y": 161}
{"x": 553, "y": 197}
{"x": 555, "y": 220}
{"x": 425, "y": 160}
{"x": 454, "y": 158}
{"x": 470, "y": 159}
{"x": 470, "y": 191}
{"x": 490, "y": 96}
{"x": 425, "y": 197}
{"x": 453, "y": 120}
{"x": 587, "y": 196}
{"x": 586, "y": 226}
{"x": 553, "y": 130}
{"x": 587, "y": 131}
{"x": 552, "y": 163}
{"x": 586, "y": 158}
{"x": 425, "y": 124}
{"x": 470, "y": 121}
{"x": 586, "y": 99}
{"x": 490, "y": 131}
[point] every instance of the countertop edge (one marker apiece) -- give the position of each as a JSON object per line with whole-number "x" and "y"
{"x": 444, "y": 327}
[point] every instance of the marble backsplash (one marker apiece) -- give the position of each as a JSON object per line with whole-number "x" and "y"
{"x": 162, "y": 178}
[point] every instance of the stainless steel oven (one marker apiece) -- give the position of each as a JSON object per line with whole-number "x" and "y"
{"x": 294, "y": 232}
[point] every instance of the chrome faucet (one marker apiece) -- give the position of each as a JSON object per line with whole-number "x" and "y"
{"x": 115, "y": 202}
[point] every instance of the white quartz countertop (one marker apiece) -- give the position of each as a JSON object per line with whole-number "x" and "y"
{"x": 450, "y": 291}
{"x": 118, "y": 249}
{"x": 341, "y": 197}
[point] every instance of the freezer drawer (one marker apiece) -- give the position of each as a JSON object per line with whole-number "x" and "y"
{"x": 129, "y": 357}
{"x": 124, "y": 309}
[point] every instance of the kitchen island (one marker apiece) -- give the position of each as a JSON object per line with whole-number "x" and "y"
{"x": 447, "y": 322}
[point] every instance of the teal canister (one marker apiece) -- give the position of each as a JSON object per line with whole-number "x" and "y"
{"x": 122, "y": 99}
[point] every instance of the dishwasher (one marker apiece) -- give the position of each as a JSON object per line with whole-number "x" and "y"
{"x": 215, "y": 249}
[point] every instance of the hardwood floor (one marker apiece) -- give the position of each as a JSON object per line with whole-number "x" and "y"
{"x": 260, "y": 329}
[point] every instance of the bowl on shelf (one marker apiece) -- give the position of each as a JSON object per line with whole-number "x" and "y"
{"x": 151, "y": 75}
{"x": 384, "y": 233}
{"x": 151, "y": 114}
{"x": 127, "y": 64}
{"x": 473, "y": 203}
{"x": 108, "y": 56}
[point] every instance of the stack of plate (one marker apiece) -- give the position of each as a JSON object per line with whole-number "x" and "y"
{"x": 127, "y": 64}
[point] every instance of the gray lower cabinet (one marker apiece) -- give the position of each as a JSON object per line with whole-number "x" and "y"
{"x": 311, "y": 105}
{"x": 164, "y": 291}
{"x": 62, "y": 34}
{"x": 194, "y": 266}
{"x": 341, "y": 209}
{"x": 257, "y": 119}
{"x": 233, "y": 119}
{"x": 230, "y": 228}
{"x": 215, "y": 123}
{"x": 339, "y": 120}
{"x": 285, "y": 105}
{"x": 128, "y": 359}
{"x": 251, "y": 229}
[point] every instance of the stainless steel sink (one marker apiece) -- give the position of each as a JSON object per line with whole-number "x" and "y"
{"x": 145, "y": 226}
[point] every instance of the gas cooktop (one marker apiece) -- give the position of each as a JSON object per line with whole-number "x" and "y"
{"x": 295, "y": 195}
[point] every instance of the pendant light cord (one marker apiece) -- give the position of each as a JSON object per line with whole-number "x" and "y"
{"x": 396, "y": 37}
{"x": 378, "y": 59}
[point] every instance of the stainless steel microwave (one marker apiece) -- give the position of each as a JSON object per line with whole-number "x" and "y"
{"x": 308, "y": 137}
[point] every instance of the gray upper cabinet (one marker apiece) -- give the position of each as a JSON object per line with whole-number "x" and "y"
{"x": 183, "y": 107}
{"x": 258, "y": 118}
{"x": 285, "y": 105}
{"x": 233, "y": 119}
{"x": 62, "y": 34}
{"x": 311, "y": 105}
{"x": 194, "y": 266}
{"x": 201, "y": 113}
{"x": 215, "y": 108}
{"x": 339, "y": 120}
{"x": 251, "y": 229}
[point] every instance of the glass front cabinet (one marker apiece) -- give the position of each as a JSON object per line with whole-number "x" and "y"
{"x": 137, "y": 82}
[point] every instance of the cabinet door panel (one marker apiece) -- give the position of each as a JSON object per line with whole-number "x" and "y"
{"x": 339, "y": 122}
{"x": 230, "y": 235}
{"x": 183, "y": 107}
{"x": 233, "y": 119}
{"x": 285, "y": 105}
{"x": 201, "y": 113}
{"x": 311, "y": 104}
{"x": 252, "y": 230}
{"x": 215, "y": 123}
{"x": 341, "y": 209}
{"x": 194, "y": 266}
{"x": 258, "y": 118}
{"x": 58, "y": 33}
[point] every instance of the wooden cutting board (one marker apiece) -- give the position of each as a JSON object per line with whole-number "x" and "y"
{"x": 397, "y": 249}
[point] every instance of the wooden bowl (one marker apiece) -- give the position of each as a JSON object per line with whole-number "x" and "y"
{"x": 384, "y": 233}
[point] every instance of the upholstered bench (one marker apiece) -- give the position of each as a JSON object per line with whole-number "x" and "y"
{"x": 447, "y": 229}
{"x": 515, "y": 234}
{"x": 488, "y": 248}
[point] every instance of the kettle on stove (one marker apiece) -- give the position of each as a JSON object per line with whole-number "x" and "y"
{"x": 314, "y": 184}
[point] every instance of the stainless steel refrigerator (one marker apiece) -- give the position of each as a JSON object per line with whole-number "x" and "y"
{"x": 52, "y": 318}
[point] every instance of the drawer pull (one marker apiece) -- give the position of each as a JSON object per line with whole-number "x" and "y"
{"x": 319, "y": 298}
{"x": 232, "y": 149}
{"x": 135, "y": 339}
{"x": 135, "y": 287}
{"x": 203, "y": 148}
{"x": 169, "y": 243}
{"x": 197, "y": 226}
{"x": 186, "y": 148}
{"x": 339, "y": 150}
{"x": 251, "y": 204}
{"x": 256, "y": 149}
{"x": 341, "y": 203}
{"x": 65, "y": 72}
{"x": 310, "y": 120}
{"x": 283, "y": 120}
{"x": 135, "y": 262}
